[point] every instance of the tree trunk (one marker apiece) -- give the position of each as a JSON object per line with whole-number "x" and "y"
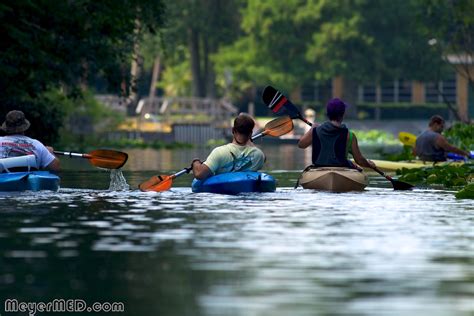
{"x": 135, "y": 68}
{"x": 154, "y": 79}
{"x": 85, "y": 75}
{"x": 209, "y": 74}
{"x": 197, "y": 83}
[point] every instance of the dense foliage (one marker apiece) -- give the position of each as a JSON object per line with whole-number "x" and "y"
{"x": 450, "y": 176}
{"x": 467, "y": 192}
{"x": 213, "y": 48}
{"x": 47, "y": 45}
{"x": 375, "y": 136}
{"x": 461, "y": 135}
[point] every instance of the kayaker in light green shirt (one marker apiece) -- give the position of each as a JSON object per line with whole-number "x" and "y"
{"x": 239, "y": 155}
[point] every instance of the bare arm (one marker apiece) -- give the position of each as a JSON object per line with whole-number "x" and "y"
{"x": 307, "y": 139}
{"x": 200, "y": 170}
{"x": 443, "y": 143}
{"x": 54, "y": 165}
{"x": 359, "y": 159}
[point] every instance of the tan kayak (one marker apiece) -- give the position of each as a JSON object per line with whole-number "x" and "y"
{"x": 334, "y": 179}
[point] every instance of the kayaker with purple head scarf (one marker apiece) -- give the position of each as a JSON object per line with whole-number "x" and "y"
{"x": 332, "y": 141}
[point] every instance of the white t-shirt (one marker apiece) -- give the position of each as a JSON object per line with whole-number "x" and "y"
{"x": 20, "y": 145}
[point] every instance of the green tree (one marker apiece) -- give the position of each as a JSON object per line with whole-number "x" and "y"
{"x": 272, "y": 49}
{"x": 449, "y": 26}
{"x": 194, "y": 31}
{"x": 289, "y": 42}
{"x": 50, "y": 44}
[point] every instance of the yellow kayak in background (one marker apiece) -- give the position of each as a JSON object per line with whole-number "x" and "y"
{"x": 386, "y": 165}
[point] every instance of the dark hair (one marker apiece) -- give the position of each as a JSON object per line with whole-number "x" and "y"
{"x": 436, "y": 119}
{"x": 244, "y": 124}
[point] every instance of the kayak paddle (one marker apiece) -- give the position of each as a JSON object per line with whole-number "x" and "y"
{"x": 397, "y": 185}
{"x": 279, "y": 104}
{"x": 102, "y": 158}
{"x": 162, "y": 182}
{"x": 276, "y": 127}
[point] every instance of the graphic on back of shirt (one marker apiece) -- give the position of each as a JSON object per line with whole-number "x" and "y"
{"x": 16, "y": 147}
{"x": 242, "y": 162}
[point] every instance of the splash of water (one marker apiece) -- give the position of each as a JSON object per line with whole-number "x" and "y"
{"x": 118, "y": 181}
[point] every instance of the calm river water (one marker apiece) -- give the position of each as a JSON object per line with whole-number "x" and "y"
{"x": 292, "y": 252}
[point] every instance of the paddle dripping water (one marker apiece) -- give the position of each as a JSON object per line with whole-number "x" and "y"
{"x": 118, "y": 181}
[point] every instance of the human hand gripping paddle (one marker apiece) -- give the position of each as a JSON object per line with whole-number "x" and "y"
{"x": 102, "y": 158}
{"x": 277, "y": 127}
{"x": 278, "y": 103}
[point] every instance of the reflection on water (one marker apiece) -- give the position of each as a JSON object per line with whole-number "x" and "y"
{"x": 279, "y": 157}
{"x": 283, "y": 157}
{"x": 292, "y": 252}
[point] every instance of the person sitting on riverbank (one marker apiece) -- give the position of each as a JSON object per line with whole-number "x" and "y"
{"x": 239, "y": 155}
{"x": 332, "y": 140}
{"x": 432, "y": 146}
{"x": 16, "y": 144}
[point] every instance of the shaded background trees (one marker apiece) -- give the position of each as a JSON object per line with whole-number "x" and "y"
{"x": 62, "y": 45}
{"x": 52, "y": 51}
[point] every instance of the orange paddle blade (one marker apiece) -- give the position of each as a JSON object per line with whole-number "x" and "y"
{"x": 279, "y": 126}
{"x": 106, "y": 158}
{"x": 157, "y": 183}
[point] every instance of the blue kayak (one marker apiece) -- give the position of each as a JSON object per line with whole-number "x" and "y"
{"x": 235, "y": 183}
{"x": 29, "y": 180}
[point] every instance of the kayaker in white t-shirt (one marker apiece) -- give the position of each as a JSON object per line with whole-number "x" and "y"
{"x": 239, "y": 155}
{"x": 16, "y": 144}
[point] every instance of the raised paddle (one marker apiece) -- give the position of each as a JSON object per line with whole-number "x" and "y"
{"x": 276, "y": 127}
{"x": 279, "y": 104}
{"x": 276, "y": 101}
{"x": 102, "y": 158}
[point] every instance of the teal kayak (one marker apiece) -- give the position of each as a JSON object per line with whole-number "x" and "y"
{"x": 235, "y": 183}
{"x": 29, "y": 181}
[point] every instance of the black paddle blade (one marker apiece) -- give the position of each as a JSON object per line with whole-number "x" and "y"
{"x": 278, "y": 103}
{"x": 400, "y": 185}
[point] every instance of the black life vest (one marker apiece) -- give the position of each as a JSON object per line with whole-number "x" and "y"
{"x": 330, "y": 146}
